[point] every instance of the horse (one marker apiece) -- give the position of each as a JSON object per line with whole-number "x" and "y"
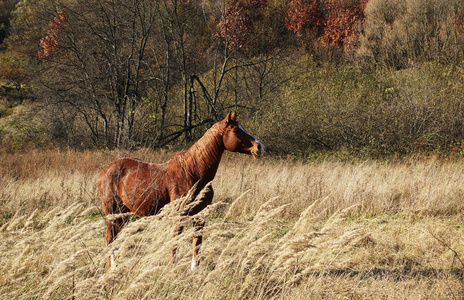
{"x": 130, "y": 185}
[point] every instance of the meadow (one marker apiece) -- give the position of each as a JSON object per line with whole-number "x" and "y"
{"x": 277, "y": 229}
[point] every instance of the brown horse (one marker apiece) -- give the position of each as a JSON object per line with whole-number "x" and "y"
{"x": 131, "y": 185}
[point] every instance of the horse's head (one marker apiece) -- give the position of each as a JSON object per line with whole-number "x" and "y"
{"x": 236, "y": 139}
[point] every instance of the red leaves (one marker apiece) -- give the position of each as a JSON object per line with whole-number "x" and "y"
{"x": 304, "y": 15}
{"x": 334, "y": 19}
{"x": 239, "y": 20}
{"x": 49, "y": 43}
{"x": 460, "y": 20}
{"x": 341, "y": 19}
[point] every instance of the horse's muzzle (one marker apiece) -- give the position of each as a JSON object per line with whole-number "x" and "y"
{"x": 257, "y": 150}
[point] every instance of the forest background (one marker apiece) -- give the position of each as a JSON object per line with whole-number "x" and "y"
{"x": 308, "y": 77}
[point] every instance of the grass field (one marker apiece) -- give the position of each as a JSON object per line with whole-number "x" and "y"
{"x": 277, "y": 229}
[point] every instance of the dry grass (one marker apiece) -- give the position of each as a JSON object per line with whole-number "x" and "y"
{"x": 277, "y": 230}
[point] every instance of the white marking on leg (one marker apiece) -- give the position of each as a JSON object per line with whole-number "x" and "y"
{"x": 194, "y": 265}
{"x": 113, "y": 260}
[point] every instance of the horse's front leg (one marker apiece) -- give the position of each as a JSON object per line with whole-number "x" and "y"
{"x": 198, "y": 225}
{"x": 197, "y": 240}
{"x": 177, "y": 230}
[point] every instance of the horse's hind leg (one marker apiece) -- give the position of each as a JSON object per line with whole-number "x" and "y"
{"x": 112, "y": 205}
{"x": 114, "y": 226}
{"x": 111, "y": 232}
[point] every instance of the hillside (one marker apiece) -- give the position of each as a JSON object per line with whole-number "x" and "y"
{"x": 309, "y": 77}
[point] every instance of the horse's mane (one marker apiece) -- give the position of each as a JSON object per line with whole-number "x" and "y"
{"x": 204, "y": 154}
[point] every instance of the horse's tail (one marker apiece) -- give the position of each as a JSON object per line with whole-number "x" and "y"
{"x": 108, "y": 186}
{"x": 108, "y": 183}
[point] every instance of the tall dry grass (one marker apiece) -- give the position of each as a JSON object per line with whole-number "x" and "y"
{"x": 277, "y": 230}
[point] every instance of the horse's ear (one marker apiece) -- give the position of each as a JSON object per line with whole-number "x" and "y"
{"x": 231, "y": 116}
{"x": 228, "y": 117}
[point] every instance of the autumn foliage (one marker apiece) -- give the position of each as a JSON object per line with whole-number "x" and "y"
{"x": 341, "y": 20}
{"x": 49, "y": 43}
{"x": 332, "y": 20}
{"x": 304, "y": 16}
{"x": 239, "y": 21}
{"x": 460, "y": 20}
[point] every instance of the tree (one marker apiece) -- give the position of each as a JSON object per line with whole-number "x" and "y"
{"x": 115, "y": 66}
{"x": 238, "y": 24}
{"x": 342, "y": 16}
{"x": 6, "y": 10}
{"x": 460, "y": 20}
{"x": 305, "y": 16}
{"x": 94, "y": 67}
{"x": 49, "y": 43}
{"x": 182, "y": 27}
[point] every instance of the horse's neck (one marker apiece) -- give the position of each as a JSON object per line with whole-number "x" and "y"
{"x": 203, "y": 158}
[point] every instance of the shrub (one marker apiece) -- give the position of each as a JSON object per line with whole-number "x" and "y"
{"x": 400, "y": 33}
{"x": 366, "y": 113}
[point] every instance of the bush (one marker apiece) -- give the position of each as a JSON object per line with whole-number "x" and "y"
{"x": 398, "y": 34}
{"x": 366, "y": 113}
{"x": 12, "y": 68}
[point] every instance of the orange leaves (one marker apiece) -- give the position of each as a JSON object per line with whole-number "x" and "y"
{"x": 49, "y": 43}
{"x": 304, "y": 15}
{"x": 238, "y": 23}
{"x": 332, "y": 20}
{"x": 341, "y": 20}
{"x": 460, "y": 20}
